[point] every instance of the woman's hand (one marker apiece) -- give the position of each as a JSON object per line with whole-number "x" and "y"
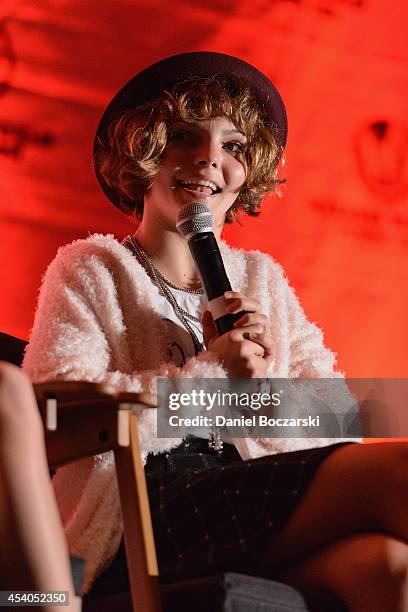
{"x": 261, "y": 334}
{"x": 245, "y": 350}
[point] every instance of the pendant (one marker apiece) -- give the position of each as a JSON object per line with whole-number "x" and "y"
{"x": 215, "y": 442}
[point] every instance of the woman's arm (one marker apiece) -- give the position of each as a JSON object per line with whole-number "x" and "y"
{"x": 314, "y": 385}
{"x": 34, "y": 553}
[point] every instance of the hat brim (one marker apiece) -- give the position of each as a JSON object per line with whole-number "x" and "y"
{"x": 164, "y": 74}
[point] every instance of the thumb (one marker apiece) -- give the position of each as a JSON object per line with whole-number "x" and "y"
{"x": 209, "y": 329}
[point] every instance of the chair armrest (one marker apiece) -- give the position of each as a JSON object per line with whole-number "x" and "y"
{"x": 82, "y": 419}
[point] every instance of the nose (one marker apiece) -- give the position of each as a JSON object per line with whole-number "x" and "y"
{"x": 207, "y": 155}
{"x": 210, "y": 162}
{"x": 207, "y": 162}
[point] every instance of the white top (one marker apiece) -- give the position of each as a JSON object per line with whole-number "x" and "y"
{"x": 181, "y": 345}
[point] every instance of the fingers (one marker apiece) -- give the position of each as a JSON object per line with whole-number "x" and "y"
{"x": 248, "y": 345}
{"x": 209, "y": 328}
{"x": 236, "y": 302}
{"x": 252, "y": 318}
{"x": 260, "y": 330}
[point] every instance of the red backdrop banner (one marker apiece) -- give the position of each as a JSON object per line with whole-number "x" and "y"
{"x": 340, "y": 227}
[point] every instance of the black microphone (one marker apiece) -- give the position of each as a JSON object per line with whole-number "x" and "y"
{"x": 195, "y": 224}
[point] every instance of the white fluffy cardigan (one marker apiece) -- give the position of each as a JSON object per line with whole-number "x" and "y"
{"x": 96, "y": 317}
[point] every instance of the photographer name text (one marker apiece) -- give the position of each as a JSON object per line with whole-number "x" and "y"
{"x": 255, "y": 420}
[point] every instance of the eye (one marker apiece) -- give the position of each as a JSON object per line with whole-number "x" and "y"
{"x": 234, "y": 146}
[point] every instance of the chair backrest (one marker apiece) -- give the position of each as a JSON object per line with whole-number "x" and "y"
{"x": 11, "y": 349}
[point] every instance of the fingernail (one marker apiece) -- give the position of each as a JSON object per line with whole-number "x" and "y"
{"x": 228, "y": 294}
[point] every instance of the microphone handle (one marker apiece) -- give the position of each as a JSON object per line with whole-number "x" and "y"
{"x": 226, "y": 322}
{"x": 207, "y": 257}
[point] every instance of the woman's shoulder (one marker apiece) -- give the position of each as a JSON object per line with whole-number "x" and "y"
{"x": 103, "y": 248}
{"x": 98, "y": 244}
{"x": 95, "y": 258}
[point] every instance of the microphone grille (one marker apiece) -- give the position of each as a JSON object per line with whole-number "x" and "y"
{"x": 194, "y": 218}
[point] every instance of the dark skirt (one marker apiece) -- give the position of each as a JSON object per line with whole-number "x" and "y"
{"x": 209, "y": 509}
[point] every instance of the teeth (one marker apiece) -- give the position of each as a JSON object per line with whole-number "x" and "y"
{"x": 209, "y": 184}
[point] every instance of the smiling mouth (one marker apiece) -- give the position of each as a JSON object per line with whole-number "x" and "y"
{"x": 206, "y": 190}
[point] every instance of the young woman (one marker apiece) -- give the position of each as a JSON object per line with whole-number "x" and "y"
{"x": 322, "y": 514}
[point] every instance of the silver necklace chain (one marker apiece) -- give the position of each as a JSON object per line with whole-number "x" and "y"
{"x": 133, "y": 243}
{"x": 173, "y": 286}
{"x": 215, "y": 441}
{"x": 163, "y": 284}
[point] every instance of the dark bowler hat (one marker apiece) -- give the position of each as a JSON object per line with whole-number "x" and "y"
{"x": 164, "y": 74}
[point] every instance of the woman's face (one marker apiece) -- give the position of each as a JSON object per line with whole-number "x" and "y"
{"x": 203, "y": 162}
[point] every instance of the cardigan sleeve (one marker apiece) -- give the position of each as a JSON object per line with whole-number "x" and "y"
{"x": 313, "y": 385}
{"x": 308, "y": 356}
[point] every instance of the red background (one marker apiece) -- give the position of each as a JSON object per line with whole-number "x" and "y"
{"x": 340, "y": 228}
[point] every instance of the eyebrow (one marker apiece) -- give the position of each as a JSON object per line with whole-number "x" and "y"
{"x": 233, "y": 131}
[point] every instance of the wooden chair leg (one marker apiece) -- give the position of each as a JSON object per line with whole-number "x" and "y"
{"x": 138, "y": 530}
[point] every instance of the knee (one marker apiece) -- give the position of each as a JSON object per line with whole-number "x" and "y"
{"x": 382, "y": 562}
{"x": 11, "y": 377}
{"x": 18, "y": 408}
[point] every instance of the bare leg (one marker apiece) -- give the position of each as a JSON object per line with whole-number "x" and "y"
{"x": 360, "y": 491}
{"x": 34, "y": 554}
{"x": 366, "y": 572}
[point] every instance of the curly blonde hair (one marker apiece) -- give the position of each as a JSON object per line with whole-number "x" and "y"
{"x": 130, "y": 158}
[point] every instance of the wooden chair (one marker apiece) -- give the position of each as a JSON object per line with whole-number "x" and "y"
{"x": 101, "y": 421}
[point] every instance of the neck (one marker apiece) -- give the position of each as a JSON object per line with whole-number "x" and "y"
{"x": 170, "y": 254}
